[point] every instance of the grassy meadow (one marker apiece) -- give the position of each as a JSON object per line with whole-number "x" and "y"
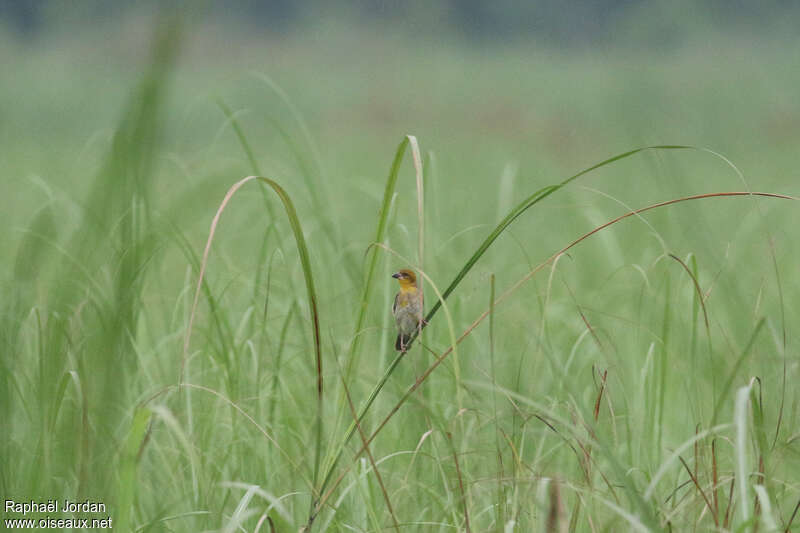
{"x": 643, "y": 378}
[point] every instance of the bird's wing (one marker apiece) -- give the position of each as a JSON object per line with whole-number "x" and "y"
{"x": 394, "y": 305}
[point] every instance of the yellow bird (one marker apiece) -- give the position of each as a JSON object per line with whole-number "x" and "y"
{"x": 407, "y": 308}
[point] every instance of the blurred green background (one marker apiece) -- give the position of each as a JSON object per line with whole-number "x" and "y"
{"x": 122, "y": 125}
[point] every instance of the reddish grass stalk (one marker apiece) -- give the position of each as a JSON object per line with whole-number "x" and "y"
{"x": 714, "y": 479}
{"x": 700, "y": 490}
{"x": 539, "y": 267}
{"x": 789, "y": 525}
{"x": 600, "y": 396}
{"x": 371, "y": 458}
{"x": 518, "y": 284}
{"x": 555, "y": 518}
{"x": 696, "y": 287}
{"x": 730, "y": 504}
{"x": 460, "y": 483}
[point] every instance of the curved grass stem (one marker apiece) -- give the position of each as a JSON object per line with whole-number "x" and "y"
{"x": 305, "y": 262}
{"x": 421, "y": 379}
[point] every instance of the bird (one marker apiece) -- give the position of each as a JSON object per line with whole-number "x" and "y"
{"x": 407, "y": 308}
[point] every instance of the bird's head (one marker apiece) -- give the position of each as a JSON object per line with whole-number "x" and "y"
{"x": 406, "y": 277}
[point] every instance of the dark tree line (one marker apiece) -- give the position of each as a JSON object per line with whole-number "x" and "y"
{"x": 567, "y": 20}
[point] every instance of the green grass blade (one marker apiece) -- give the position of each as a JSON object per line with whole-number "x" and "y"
{"x": 386, "y": 375}
{"x": 740, "y": 409}
{"x": 127, "y": 468}
{"x": 302, "y": 250}
{"x": 723, "y": 395}
{"x": 248, "y": 151}
{"x": 372, "y": 254}
{"x": 530, "y": 201}
{"x": 305, "y": 262}
{"x": 237, "y": 129}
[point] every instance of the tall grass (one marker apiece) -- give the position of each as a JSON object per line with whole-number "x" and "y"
{"x": 630, "y": 374}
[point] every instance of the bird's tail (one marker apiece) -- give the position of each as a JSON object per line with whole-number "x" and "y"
{"x": 403, "y": 342}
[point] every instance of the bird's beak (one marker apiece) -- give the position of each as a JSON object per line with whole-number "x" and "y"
{"x": 396, "y": 275}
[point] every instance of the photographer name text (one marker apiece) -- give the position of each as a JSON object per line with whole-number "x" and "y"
{"x": 51, "y": 507}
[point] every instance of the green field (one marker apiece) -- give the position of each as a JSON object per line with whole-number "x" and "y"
{"x": 643, "y": 379}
